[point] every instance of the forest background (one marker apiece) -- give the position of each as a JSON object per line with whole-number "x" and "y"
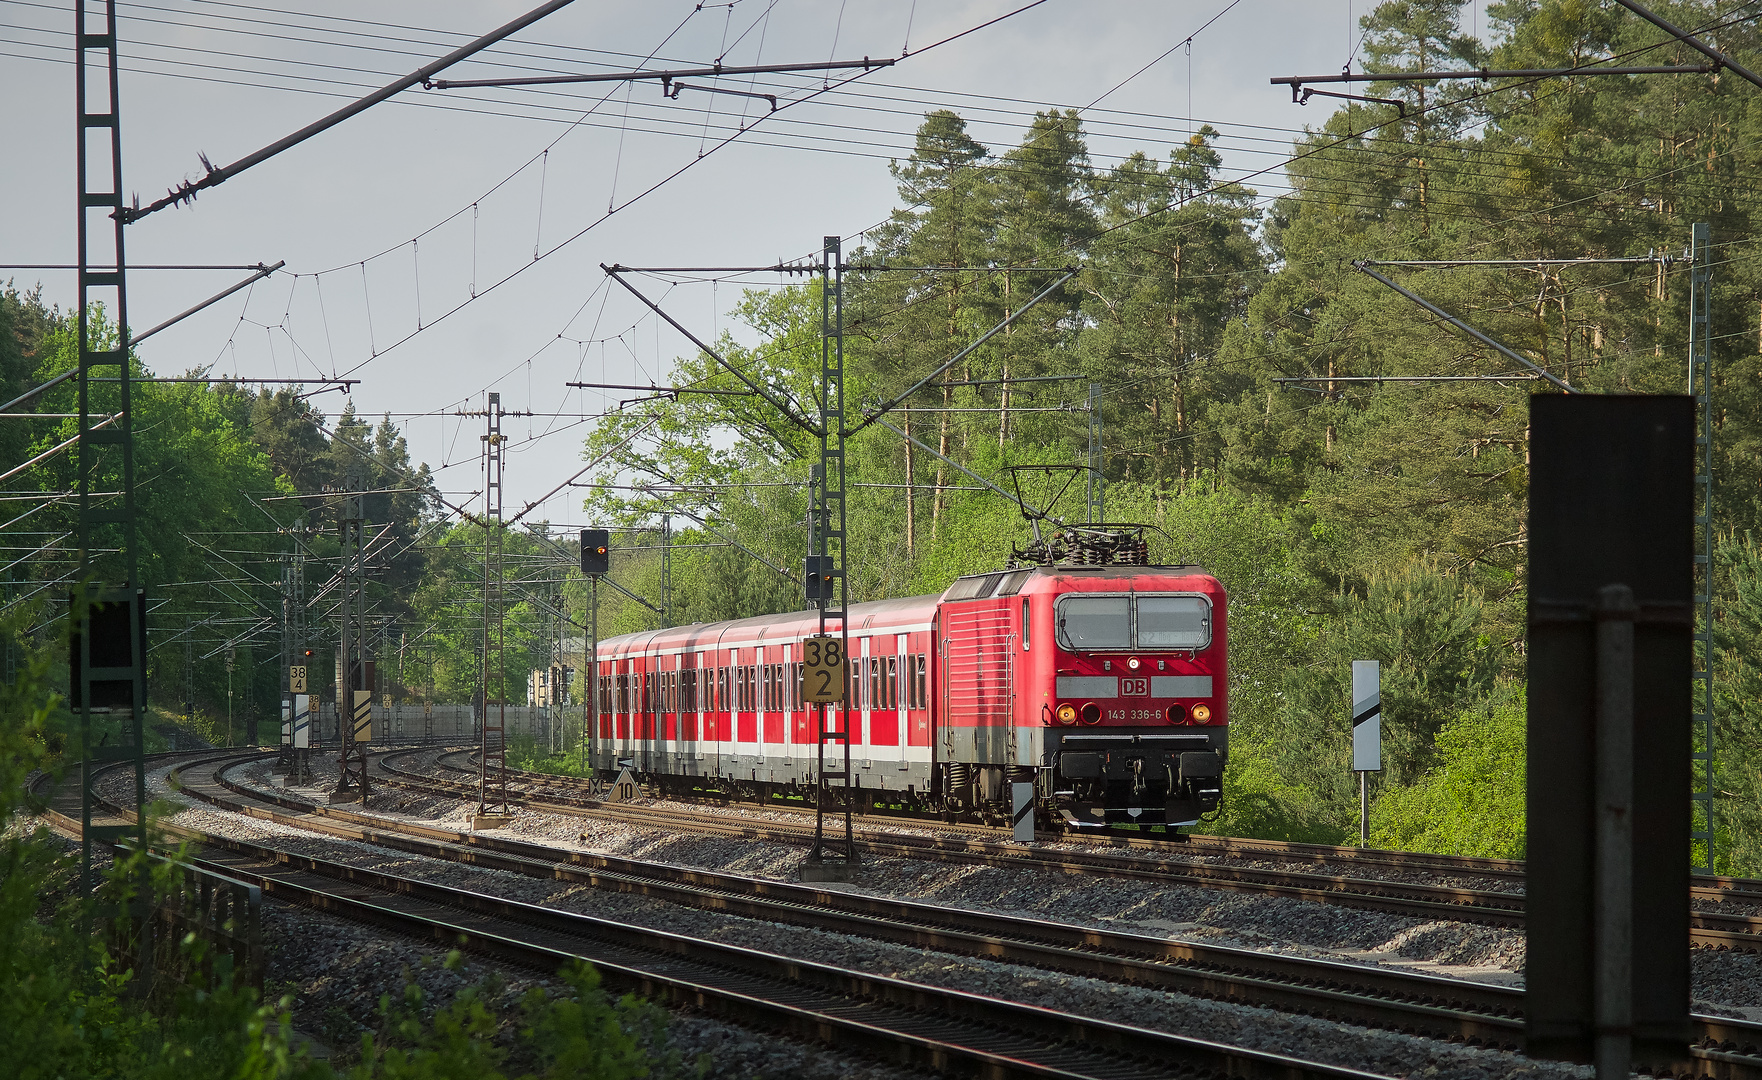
{"x": 1348, "y": 519}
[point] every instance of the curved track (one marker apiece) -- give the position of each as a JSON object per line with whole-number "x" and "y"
{"x": 1380, "y": 997}
{"x": 1420, "y": 1004}
{"x": 910, "y": 1023}
{"x": 570, "y": 791}
{"x": 1492, "y": 907}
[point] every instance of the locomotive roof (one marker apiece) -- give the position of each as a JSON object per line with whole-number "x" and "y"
{"x": 908, "y": 610}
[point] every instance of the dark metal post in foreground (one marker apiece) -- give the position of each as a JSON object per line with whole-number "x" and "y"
{"x": 1611, "y": 536}
{"x": 1701, "y": 830}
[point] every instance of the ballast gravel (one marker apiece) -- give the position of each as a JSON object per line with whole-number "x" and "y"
{"x": 1290, "y": 926}
{"x": 1724, "y": 981}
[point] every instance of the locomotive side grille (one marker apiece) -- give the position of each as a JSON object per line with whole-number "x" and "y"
{"x": 978, "y": 664}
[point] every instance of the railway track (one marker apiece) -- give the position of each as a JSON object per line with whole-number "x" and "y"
{"x": 570, "y": 791}
{"x": 1475, "y": 1013}
{"x": 1491, "y": 907}
{"x": 901, "y": 1021}
{"x": 1454, "y": 1009}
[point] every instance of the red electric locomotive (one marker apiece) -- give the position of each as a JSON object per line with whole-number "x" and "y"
{"x": 1106, "y": 685}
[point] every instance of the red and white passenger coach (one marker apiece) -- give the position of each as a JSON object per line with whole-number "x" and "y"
{"x": 1105, "y": 685}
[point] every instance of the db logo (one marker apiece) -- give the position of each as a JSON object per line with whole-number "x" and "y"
{"x": 1135, "y": 687}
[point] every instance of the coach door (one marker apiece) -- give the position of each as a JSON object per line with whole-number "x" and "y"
{"x": 686, "y": 760}
{"x": 625, "y": 742}
{"x": 892, "y": 677}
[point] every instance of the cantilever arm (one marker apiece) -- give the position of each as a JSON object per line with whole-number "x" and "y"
{"x": 1467, "y": 329}
{"x": 616, "y": 274}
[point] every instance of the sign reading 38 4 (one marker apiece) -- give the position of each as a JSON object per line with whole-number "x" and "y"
{"x": 822, "y": 669}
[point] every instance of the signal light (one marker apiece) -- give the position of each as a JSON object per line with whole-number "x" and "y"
{"x": 817, "y": 577}
{"x": 1067, "y": 713}
{"x": 1091, "y": 713}
{"x": 1132, "y": 663}
{"x": 596, "y": 552}
{"x": 1201, "y": 713}
{"x": 1177, "y": 713}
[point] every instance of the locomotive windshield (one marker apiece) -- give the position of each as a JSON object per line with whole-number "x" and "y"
{"x": 1095, "y": 622}
{"x": 1089, "y": 623}
{"x": 1173, "y": 622}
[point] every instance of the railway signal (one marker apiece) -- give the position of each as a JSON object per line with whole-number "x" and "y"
{"x": 596, "y": 552}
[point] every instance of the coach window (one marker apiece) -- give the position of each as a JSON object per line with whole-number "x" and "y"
{"x": 1025, "y": 641}
{"x": 920, "y": 681}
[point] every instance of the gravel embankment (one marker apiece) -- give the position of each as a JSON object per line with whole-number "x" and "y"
{"x": 1287, "y": 926}
{"x": 1724, "y": 982}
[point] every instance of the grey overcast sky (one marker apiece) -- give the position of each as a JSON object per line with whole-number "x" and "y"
{"x": 391, "y": 221}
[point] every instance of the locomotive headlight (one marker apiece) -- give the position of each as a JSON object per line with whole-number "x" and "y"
{"x": 1067, "y": 713}
{"x": 1132, "y": 663}
{"x": 1201, "y": 713}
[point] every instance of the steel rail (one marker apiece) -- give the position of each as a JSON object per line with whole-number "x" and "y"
{"x": 1707, "y": 887}
{"x": 1487, "y": 907}
{"x": 1446, "y": 1008}
{"x": 1421, "y": 1004}
{"x": 913, "y": 1023}
{"x": 1443, "y": 1008}
{"x": 1431, "y": 901}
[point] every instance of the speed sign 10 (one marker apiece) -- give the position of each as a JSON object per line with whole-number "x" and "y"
{"x": 822, "y": 669}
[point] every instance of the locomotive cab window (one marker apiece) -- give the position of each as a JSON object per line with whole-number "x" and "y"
{"x": 1092, "y": 623}
{"x": 1087, "y": 623}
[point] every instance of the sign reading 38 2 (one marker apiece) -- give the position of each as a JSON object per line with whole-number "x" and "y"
{"x": 822, "y": 669}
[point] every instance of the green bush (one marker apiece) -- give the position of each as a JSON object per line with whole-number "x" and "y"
{"x": 1260, "y": 802}
{"x": 525, "y": 752}
{"x": 583, "y": 1034}
{"x": 67, "y": 1010}
{"x": 1471, "y": 802}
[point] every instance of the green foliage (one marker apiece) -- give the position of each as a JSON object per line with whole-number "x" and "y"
{"x": 1471, "y": 802}
{"x": 525, "y": 752}
{"x": 583, "y": 1035}
{"x": 67, "y": 1009}
{"x": 1737, "y": 685}
{"x": 1260, "y": 801}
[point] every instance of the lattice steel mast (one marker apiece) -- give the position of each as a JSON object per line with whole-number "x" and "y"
{"x": 354, "y": 692}
{"x": 492, "y": 776}
{"x": 110, "y": 651}
{"x": 827, "y": 543}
